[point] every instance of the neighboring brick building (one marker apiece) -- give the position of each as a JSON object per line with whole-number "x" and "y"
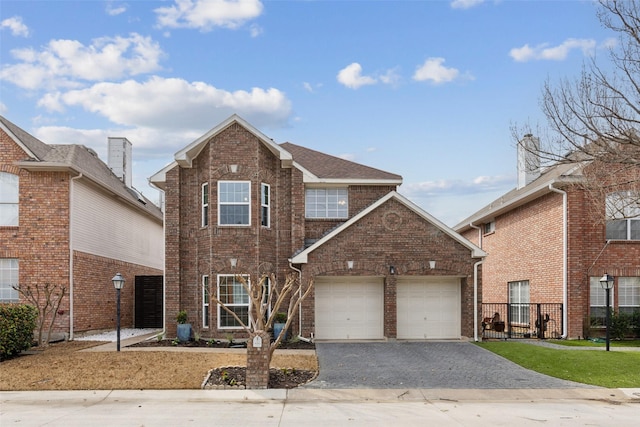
{"x": 66, "y": 219}
{"x": 546, "y": 247}
{"x": 238, "y": 203}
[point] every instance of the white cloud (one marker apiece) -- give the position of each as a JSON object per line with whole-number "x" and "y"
{"x": 208, "y": 14}
{"x": 351, "y": 76}
{"x": 174, "y": 103}
{"x": 255, "y": 30}
{"x": 465, "y": 4}
{"x": 456, "y": 186}
{"x": 16, "y": 26}
{"x": 552, "y": 53}
{"x": 114, "y": 10}
{"x": 63, "y": 62}
{"x": 433, "y": 70}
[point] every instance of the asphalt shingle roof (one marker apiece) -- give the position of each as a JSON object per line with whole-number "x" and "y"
{"x": 325, "y": 166}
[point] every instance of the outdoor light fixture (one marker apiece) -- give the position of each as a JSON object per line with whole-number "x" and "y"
{"x": 234, "y": 262}
{"x": 607, "y": 283}
{"x": 118, "y": 283}
{"x": 350, "y": 265}
{"x": 392, "y": 270}
{"x": 432, "y": 264}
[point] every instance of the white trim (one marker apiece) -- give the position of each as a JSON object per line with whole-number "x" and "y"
{"x": 185, "y": 156}
{"x": 248, "y": 204}
{"x": 476, "y": 252}
{"x": 267, "y": 205}
{"x": 221, "y": 310}
{"x": 206, "y": 305}
{"x": 204, "y": 205}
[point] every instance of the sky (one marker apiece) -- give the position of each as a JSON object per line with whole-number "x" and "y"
{"x": 426, "y": 89}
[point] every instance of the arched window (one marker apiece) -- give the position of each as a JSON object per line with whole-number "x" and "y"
{"x": 8, "y": 199}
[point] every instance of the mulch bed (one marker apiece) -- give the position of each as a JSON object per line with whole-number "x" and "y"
{"x": 234, "y": 377}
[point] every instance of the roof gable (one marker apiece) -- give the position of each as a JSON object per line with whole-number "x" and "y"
{"x": 31, "y": 145}
{"x": 476, "y": 252}
{"x": 186, "y": 156}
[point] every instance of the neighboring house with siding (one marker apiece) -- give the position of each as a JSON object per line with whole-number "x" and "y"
{"x": 67, "y": 219}
{"x": 237, "y": 203}
{"x": 546, "y": 252}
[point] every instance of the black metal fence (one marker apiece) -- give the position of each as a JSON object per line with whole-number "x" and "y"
{"x": 531, "y": 320}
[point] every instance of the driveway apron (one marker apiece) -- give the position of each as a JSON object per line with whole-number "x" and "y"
{"x": 426, "y": 365}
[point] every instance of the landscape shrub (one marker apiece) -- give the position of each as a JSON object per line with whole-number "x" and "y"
{"x": 17, "y": 322}
{"x": 620, "y": 325}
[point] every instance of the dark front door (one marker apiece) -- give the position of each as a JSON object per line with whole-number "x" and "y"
{"x": 149, "y": 301}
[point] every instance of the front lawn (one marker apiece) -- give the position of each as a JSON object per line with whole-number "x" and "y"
{"x": 613, "y": 369}
{"x": 598, "y": 343}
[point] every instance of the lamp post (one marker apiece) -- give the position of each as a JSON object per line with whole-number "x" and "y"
{"x": 607, "y": 283}
{"x": 118, "y": 283}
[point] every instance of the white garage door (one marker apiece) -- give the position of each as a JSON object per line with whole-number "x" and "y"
{"x": 349, "y": 308}
{"x": 428, "y": 308}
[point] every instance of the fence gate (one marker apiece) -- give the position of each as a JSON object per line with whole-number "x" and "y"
{"x": 148, "y": 297}
{"x": 531, "y": 320}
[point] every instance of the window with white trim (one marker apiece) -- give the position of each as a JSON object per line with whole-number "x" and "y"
{"x": 205, "y": 204}
{"x": 623, "y": 216}
{"x": 205, "y": 301}
{"x": 234, "y": 202}
{"x": 628, "y": 294}
{"x": 519, "y": 302}
{"x": 233, "y": 295}
{"x": 598, "y": 302}
{"x": 8, "y": 279}
{"x": 265, "y": 205}
{"x": 9, "y": 195}
{"x": 326, "y": 203}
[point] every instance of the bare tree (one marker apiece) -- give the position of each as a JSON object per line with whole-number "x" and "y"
{"x": 266, "y": 301}
{"x": 594, "y": 120}
{"x": 47, "y": 299}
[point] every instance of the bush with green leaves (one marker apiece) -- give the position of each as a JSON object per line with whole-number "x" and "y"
{"x": 17, "y": 323}
{"x": 620, "y": 325}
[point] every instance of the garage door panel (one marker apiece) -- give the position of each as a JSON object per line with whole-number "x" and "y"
{"x": 349, "y": 308}
{"x": 428, "y": 308}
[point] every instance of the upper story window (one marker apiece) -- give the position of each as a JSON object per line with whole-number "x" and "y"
{"x": 326, "y": 203}
{"x": 489, "y": 227}
{"x": 265, "y": 205}
{"x": 8, "y": 279}
{"x": 234, "y": 202}
{"x": 623, "y": 216}
{"x": 205, "y": 204}
{"x": 8, "y": 199}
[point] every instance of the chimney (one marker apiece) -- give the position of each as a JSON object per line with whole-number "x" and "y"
{"x": 528, "y": 160}
{"x": 120, "y": 159}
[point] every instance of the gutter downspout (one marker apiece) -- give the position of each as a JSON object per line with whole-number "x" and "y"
{"x": 71, "y": 330}
{"x": 565, "y": 285}
{"x": 475, "y": 285}
{"x": 475, "y": 300}
{"x": 299, "y": 303}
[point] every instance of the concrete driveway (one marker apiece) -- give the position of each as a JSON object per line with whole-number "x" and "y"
{"x": 423, "y": 365}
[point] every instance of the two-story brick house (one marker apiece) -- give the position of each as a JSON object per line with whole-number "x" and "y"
{"x": 546, "y": 248}
{"x": 237, "y": 203}
{"x": 66, "y": 219}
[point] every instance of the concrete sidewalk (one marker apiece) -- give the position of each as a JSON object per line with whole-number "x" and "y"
{"x": 283, "y": 408}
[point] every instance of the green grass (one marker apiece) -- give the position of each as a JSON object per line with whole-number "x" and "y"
{"x": 613, "y": 369}
{"x": 589, "y": 343}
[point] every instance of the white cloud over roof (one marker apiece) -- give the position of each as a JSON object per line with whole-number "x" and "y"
{"x": 16, "y": 26}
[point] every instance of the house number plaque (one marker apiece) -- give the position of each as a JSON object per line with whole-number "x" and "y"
{"x": 257, "y": 341}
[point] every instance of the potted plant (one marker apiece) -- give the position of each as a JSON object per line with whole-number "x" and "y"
{"x": 279, "y": 321}
{"x": 184, "y": 328}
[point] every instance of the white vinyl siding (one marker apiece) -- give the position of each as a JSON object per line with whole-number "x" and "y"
{"x": 101, "y": 225}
